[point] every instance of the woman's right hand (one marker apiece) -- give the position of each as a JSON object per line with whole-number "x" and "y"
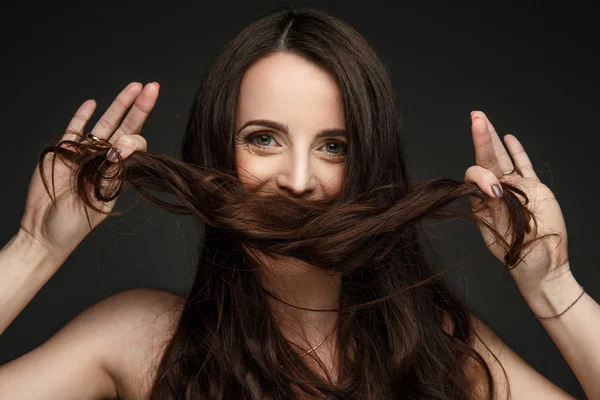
{"x": 60, "y": 229}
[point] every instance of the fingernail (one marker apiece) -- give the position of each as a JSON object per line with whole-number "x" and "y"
{"x": 497, "y": 190}
{"x": 112, "y": 155}
{"x": 157, "y": 84}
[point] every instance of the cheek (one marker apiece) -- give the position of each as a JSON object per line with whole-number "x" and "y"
{"x": 253, "y": 171}
{"x": 332, "y": 179}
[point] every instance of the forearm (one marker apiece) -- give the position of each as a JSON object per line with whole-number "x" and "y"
{"x": 576, "y": 333}
{"x": 25, "y": 267}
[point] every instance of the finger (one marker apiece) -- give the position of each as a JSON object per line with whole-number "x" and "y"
{"x": 109, "y": 121}
{"x": 136, "y": 117}
{"x": 520, "y": 157}
{"x": 126, "y": 145}
{"x": 504, "y": 161}
{"x": 74, "y": 130}
{"x": 485, "y": 155}
{"x": 484, "y": 179}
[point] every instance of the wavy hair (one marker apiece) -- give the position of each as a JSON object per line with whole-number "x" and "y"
{"x": 394, "y": 301}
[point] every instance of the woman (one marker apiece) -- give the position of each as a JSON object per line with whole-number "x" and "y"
{"x": 311, "y": 281}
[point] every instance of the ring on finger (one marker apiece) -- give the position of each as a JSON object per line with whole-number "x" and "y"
{"x": 509, "y": 172}
{"x": 90, "y": 136}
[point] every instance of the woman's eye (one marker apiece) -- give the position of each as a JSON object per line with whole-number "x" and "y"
{"x": 332, "y": 149}
{"x": 336, "y": 148}
{"x": 263, "y": 140}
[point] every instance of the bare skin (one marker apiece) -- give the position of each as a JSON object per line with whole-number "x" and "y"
{"x": 112, "y": 349}
{"x": 305, "y": 99}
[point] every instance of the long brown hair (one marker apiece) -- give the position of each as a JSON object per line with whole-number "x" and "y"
{"x": 394, "y": 300}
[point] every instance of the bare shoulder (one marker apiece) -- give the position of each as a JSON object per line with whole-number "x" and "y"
{"x": 509, "y": 371}
{"x": 145, "y": 321}
{"x": 109, "y": 350}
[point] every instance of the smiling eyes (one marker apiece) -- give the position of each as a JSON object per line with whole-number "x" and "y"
{"x": 262, "y": 140}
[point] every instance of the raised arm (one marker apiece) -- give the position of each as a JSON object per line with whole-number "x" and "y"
{"x": 543, "y": 274}
{"x": 50, "y": 229}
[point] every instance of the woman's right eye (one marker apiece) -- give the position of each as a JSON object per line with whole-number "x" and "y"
{"x": 261, "y": 142}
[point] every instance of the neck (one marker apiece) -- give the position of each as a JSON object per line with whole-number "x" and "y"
{"x": 299, "y": 284}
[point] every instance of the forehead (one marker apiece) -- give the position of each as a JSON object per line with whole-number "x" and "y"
{"x": 287, "y": 88}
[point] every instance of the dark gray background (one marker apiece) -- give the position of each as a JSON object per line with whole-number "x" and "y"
{"x": 532, "y": 69}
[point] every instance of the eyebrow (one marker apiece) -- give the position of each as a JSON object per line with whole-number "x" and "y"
{"x": 284, "y": 128}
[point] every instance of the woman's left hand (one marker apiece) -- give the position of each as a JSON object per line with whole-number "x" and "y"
{"x": 547, "y": 259}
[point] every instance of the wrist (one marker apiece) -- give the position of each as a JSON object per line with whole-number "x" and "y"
{"x": 32, "y": 251}
{"x": 554, "y": 296}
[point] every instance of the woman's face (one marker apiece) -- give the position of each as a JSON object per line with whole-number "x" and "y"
{"x": 290, "y": 128}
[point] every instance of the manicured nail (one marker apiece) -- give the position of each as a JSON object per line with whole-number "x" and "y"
{"x": 497, "y": 190}
{"x": 112, "y": 155}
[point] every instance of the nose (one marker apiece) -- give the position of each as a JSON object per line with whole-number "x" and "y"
{"x": 297, "y": 177}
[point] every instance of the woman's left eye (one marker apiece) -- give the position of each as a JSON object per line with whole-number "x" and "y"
{"x": 263, "y": 140}
{"x": 340, "y": 145}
